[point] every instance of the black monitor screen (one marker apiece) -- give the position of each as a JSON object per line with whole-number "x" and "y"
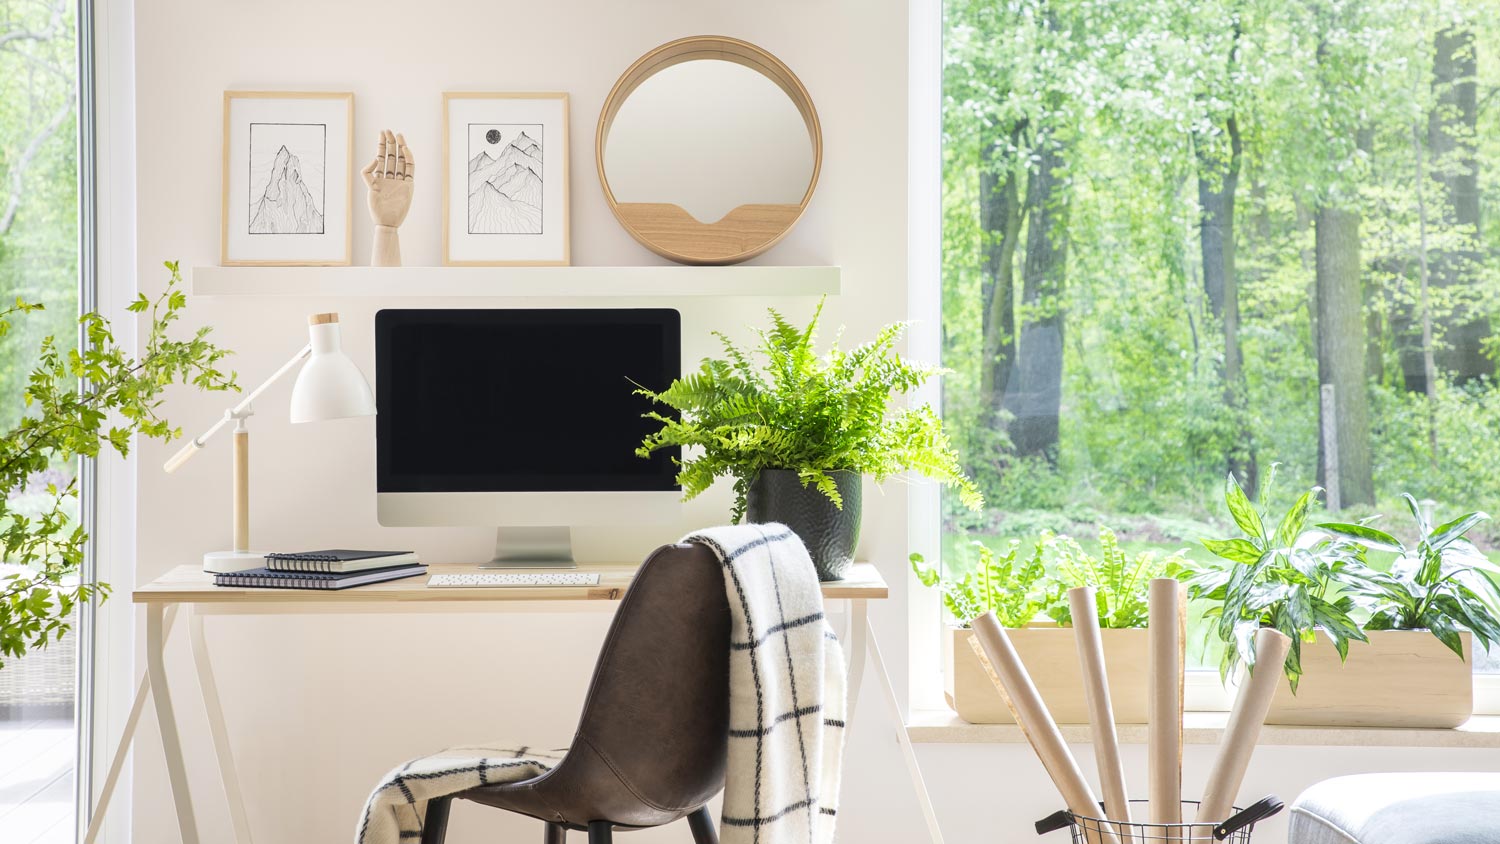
{"x": 521, "y": 400}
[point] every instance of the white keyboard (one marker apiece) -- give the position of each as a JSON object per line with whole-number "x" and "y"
{"x": 563, "y": 578}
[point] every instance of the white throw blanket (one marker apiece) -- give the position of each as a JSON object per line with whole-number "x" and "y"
{"x": 786, "y": 691}
{"x": 786, "y": 711}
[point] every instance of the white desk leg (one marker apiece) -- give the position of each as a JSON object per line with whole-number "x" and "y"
{"x": 227, "y": 772}
{"x": 856, "y": 625}
{"x": 171, "y": 743}
{"x": 127, "y": 737}
{"x": 919, "y": 786}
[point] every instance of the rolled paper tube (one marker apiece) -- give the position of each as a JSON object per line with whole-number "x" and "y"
{"x": 1166, "y": 613}
{"x": 1010, "y": 678}
{"x": 1090, "y": 644}
{"x": 1245, "y": 720}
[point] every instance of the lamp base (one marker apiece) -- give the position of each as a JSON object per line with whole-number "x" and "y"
{"x": 228, "y": 562}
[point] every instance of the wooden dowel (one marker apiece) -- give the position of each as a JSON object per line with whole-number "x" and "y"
{"x": 1243, "y": 729}
{"x": 1010, "y": 678}
{"x": 1167, "y": 615}
{"x": 1090, "y": 642}
{"x": 241, "y": 498}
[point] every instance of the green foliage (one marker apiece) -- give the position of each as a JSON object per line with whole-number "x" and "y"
{"x": 1326, "y": 97}
{"x": 804, "y": 412}
{"x": 1438, "y": 585}
{"x": 1277, "y": 574}
{"x": 1020, "y": 588}
{"x": 1123, "y": 581}
{"x": 1011, "y": 585}
{"x": 81, "y": 401}
{"x": 38, "y": 182}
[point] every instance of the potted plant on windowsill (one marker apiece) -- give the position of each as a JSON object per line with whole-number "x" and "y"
{"x": 1427, "y": 609}
{"x": 798, "y": 432}
{"x": 1312, "y": 584}
{"x": 1032, "y": 603}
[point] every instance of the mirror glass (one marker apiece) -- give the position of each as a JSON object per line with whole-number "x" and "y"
{"x": 709, "y": 135}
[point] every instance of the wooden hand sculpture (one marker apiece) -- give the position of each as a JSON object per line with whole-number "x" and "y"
{"x": 389, "y": 178}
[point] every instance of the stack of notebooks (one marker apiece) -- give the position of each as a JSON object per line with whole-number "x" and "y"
{"x": 335, "y": 568}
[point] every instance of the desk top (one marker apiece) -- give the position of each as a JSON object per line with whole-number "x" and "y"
{"x": 192, "y": 585}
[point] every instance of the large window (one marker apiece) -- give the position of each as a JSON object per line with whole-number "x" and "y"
{"x": 1185, "y": 238}
{"x": 39, "y": 262}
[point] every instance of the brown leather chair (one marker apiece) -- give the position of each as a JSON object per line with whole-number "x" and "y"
{"x": 652, "y": 743}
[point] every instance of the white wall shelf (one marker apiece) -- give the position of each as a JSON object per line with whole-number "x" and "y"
{"x": 530, "y": 282}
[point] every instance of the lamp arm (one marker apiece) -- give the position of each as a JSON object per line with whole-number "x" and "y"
{"x": 239, "y": 411}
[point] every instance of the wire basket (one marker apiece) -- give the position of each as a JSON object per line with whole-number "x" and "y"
{"x": 1235, "y": 830}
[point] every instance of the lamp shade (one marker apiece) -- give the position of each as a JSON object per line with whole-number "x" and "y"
{"x": 330, "y": 385}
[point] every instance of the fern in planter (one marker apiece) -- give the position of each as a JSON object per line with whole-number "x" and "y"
{"x": 1011, "y": 585}
{"x": 816, "y": 415}
{"x": 1122, "y": 581}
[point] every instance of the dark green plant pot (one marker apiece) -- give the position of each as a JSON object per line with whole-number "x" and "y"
{"x": 830, "y": 534}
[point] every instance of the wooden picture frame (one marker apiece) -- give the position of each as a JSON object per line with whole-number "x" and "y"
{"x": 519, "y": 215}
{"x": 304, "y": 213}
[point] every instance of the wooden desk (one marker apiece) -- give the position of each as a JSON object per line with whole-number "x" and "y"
{"x": 189, "y": 589}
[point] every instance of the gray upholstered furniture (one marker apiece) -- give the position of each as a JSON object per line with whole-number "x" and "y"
{"x": 1448, "y": 808}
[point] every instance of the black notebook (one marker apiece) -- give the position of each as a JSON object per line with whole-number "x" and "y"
{"x": 339, "y": 560}
{"x": 315, "y": 580}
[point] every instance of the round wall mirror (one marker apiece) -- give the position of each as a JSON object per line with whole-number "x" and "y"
{"x": 708, "y": 150}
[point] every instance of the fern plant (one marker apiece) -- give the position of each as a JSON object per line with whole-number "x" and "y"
{"x": 1011, "y": 585}
{"x": 1123, "y": 581}
{"x": 809, "y": 413}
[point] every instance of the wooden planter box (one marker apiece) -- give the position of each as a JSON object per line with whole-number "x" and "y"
{"x": 1401, "y": 678}
{"x": 1051, "y": 657}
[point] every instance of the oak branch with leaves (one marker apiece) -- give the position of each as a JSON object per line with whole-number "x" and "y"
{"x": 79, "y": 402}
{"x": 810, "y": 413}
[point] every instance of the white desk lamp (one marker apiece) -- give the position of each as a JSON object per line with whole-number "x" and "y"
{"x": 330, "y": 386}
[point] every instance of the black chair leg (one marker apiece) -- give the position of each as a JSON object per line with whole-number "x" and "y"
{"x": 702, "y": 825}
{"x": 435, "y": 825}
{"x": 601, "y": 832}
{"x": 556, "y": 834}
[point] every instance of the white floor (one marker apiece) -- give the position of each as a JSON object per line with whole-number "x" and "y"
{"x": 36, "y": 781}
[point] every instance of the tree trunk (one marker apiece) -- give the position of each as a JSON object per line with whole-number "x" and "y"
{"x": 1341, "y": 349}
{"x": 1034, "y": 396}
{"x": 1451, "y": 138}
{"x": 1218, "y": 179}
{"x": 1000, "y": 222}
{"x": 1309, "y": 266}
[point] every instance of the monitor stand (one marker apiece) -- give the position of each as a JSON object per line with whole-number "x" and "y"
{"x": 532, "y": 548}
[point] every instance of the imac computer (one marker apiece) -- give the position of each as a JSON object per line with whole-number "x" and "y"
{"x": 523, "y": 419}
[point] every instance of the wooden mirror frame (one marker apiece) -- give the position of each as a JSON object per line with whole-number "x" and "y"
{"x": 666, "y": 228}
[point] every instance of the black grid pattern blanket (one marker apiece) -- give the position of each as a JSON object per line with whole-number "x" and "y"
{"x": 398, "y": 805}
{"x": 786, "y": 691}
{"x": 786, "y": 711}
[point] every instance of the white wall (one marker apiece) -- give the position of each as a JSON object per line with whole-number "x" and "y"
{"x": 319, "y": 708}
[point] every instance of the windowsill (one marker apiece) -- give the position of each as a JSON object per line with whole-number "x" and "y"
{"x": 932, "y": 726}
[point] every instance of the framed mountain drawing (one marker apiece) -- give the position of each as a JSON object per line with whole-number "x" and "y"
{"x": 505, "y": 179}
{"x": 287, "y": 188}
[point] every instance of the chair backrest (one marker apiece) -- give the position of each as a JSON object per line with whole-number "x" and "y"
{"x": 658, "y": 707}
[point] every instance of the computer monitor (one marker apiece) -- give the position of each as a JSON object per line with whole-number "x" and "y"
{"x": 524, "y": 419}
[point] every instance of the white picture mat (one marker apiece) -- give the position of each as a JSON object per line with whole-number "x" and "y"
{"x": 330, "y": 247}
{"x": 551, "y": 246}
